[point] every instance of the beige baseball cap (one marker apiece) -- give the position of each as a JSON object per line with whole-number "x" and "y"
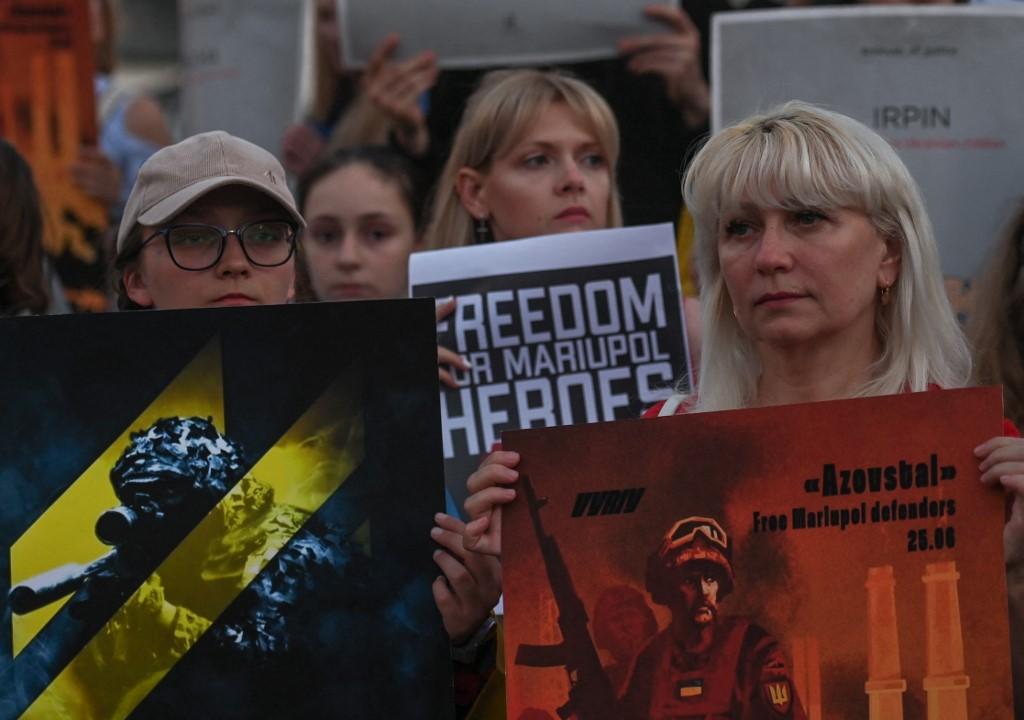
{"x": 178, "y": 175}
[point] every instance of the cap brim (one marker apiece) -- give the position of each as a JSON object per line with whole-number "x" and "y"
{"x": 174, "y": 204}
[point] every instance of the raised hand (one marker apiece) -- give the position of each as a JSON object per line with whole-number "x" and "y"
{"x": 395, "y": 88}
{"x": 675, "y": 56}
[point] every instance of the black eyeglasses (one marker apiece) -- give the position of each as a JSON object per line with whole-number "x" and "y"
{"x": 265, "y": 243}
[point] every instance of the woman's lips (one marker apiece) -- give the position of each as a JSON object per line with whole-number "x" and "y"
{"x": 779, "y": 298}
{"x": 350, "y": 291}
{"x": 574, "y": 213}
{"x": 235, "y": 299}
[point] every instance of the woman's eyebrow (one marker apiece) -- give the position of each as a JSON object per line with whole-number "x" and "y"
{"x": 544, "y": 144}
{"x": 376, "y": 215}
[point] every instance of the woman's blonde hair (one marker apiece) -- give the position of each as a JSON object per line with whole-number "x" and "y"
{"x": 996, "y": 325}
{"x": 497, "y": 116}
{"x": 802, "y": 156}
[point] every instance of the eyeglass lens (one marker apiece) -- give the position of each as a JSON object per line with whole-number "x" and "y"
{"x": 200, "y": 246}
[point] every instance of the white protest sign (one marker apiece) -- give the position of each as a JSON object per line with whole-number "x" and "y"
{"x": 943, "y": 85}
{"x": 242, "y": 66}
{"x": 560, "y": 329}
{"x": 469, "y": 33}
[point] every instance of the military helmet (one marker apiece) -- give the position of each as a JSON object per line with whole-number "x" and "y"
{"x": 187, "y": 453}
{"x": 692, "y": 539}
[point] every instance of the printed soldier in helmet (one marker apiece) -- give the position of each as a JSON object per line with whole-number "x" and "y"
{"x": 704, "y": 664}
{"x": 249, "y": 565}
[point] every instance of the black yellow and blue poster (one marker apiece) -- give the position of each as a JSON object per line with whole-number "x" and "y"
{"x": 221, "y": 513}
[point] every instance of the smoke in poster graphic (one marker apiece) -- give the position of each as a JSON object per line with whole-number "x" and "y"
{"x": 589, "y": 341}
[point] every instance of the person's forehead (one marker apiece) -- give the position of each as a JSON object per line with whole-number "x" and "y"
{"x": 231, "y": 201}
{"x": 556, "y": 119}
{"x": 357, "y": 184}
{"x": 746, "y": 206}
{"x": 549, "y": 123}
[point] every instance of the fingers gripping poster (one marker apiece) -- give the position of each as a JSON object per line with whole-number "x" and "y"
{"x": 826, "y": 561}
{"x": 564, "y": 329}
{"x": 233, "y": 535}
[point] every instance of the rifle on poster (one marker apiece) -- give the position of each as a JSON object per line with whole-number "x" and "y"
{"x": 590, "y": 693}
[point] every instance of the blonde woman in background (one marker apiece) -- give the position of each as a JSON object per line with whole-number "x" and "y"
{"x": 535, "y": 154}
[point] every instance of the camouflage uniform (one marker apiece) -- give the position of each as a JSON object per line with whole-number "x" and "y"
{"x": 168, "y": 479}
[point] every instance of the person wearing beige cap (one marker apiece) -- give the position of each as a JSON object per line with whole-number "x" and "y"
{"x": 210, "y": 222}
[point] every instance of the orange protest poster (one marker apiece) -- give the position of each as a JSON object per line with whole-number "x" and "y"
{"x": 826, "y": 561}
{"x": 47, "y": 111}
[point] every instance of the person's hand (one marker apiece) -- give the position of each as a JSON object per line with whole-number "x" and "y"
{"x": 471, "y": 584}
{"x": 446, "y": 357}
{"x": 1002, "y": 464}
{"x": 395, "y": 88}
{"x": 488, "y": 491}
{"x": 302, "y": 147}
{"x": 675, "y": 56}
{"x": 97, "y": 176}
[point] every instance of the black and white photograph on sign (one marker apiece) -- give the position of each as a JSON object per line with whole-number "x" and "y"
{"x": 526, "y": 32}
{"x": 238, "y": 55}
{"x": 941, "y": 84}
{"x": 574, "y": 328}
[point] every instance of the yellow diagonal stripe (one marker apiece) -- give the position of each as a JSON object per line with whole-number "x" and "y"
{"x": 65, "y": 533}
{"x": 144, "y": 639}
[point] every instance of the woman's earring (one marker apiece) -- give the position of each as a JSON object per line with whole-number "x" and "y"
{"x": 482, "y": 231}
{"x": 885, "y": 295}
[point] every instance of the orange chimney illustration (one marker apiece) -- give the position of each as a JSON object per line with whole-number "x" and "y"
{"x": 885, "y": 686}
{"x": 807, "y": 674}
{"x": 946, "y": 681}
